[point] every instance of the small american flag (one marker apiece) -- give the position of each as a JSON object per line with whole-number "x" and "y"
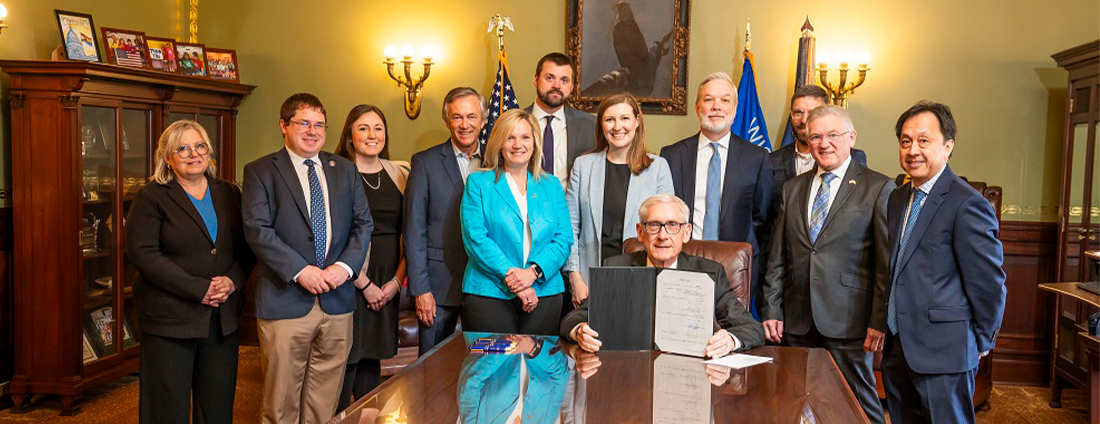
{"x": 503, "y": 98}
{"x": 129, "y": 59}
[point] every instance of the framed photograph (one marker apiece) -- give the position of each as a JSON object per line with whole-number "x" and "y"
{"x": 221, "y": 64}
{"x": 162, "y": 54}
{"x": 125, "y": 48}
{"x": 191, "y": 59}
{"x": 634, "y": 46}
{"x": 78, "y": 36}
{"x": 89, "y": 353}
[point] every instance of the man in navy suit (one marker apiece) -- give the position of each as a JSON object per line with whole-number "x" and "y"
{"x": 794, "y": 159}
{"x": 306, "y": 217}
{"x": 725, "y": 180}
{"x": 434, "y": 252}
{"x": 948, "y": 293}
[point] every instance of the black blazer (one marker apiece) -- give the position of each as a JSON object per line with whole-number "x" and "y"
{"x": 728, "y": 311}
{"x": 168, "y": 242}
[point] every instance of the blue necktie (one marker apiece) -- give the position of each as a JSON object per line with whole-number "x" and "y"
{"x": 714, "y": 194}
{"x": 914, "y": 210}
{"x": 317, "y": 215}
{"x": 820, "y": 208}
{"x": 548, "y": 147}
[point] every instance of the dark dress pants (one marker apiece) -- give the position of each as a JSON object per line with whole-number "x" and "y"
{"x": 925, "y": 398}
{"x": 855, "y": 365}
{"x": 446, "y": 319}
{"x": 185, "y": 377}
{"x": 492, "y": 315}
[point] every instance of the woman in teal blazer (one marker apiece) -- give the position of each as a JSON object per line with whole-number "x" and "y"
{"x": 517, "y": 233}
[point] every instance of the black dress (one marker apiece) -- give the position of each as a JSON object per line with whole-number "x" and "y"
{"x": 376, "y": 331}
{"x": 616, "y": 185}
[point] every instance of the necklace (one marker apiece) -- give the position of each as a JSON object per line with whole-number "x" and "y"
{"x": 376, "y": 185}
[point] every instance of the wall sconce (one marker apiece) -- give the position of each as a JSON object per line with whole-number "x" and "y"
{"x": 413, "y": 86}
{"x": 840, "y": 91}
{"x": 3, "y": 17}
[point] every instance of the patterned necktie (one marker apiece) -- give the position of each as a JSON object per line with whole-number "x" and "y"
{"x": 914, "y": 210}
{"x": 317, "y": 216}
{"x": 548, "y": 146}
{"x": 820, "y": 208}
{"x": 714, "y": 194}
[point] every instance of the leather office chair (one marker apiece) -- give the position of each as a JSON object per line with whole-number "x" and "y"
{"x": 735, "y": 257}
{"x": 983, "y": 379}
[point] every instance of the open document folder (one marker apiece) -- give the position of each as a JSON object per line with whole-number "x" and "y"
{"x": 636, "y": 308}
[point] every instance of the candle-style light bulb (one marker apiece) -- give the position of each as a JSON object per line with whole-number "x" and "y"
{"x": 407, "y": 51}
{"x": 824, "y": 59}
{"x": 390, "y": 52}
{"x": 844, "y": 57}
{"x": 864, "y": 58}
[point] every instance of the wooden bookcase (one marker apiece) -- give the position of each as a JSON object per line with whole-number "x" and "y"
{"x": 83, "y": 136}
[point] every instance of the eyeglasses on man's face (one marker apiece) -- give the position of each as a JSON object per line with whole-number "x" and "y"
{"x": 654, "y": 227}
{"x": 833, "y": 137}
{"x": 306, "y": 125}
{"x": 200, "y": 149}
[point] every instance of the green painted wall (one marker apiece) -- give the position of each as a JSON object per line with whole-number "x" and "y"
{"x": 989, "y": 60}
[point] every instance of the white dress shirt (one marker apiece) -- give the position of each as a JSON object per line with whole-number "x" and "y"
{"x": 302, "y": 170}
{"x": 521, "y": 201}
{"x": 834, "y": 187}
{"x": 803, "y": 162}
{"x": 702, "y": 165}
{"x": 561, "y": 145}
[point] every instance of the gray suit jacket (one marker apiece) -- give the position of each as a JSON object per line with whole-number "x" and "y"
{"x": 840, "y": 283}
{"x": 585, "y": 197}
{"x": 276, "y": 225}
{"x": 728, "y": 311}
{"x": 580, "y": 133}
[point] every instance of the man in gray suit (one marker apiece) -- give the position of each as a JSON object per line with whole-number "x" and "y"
{"x": 827, "y": 276}
{"x": 566, "y": 132}
{"x": 434, "y": 252}
{"x": 307, "y": 219}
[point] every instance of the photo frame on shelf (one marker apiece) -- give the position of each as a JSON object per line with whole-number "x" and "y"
{"x": 98, "y": 325}
{"x": 78, "y": 37}
{"x": 89, "y": 353}
{"x": 191, "y": 59}
{"x": 221, "y": 64}
{"x": 127, "y": 336}
{"x": 126, "y": 48}
{"x": 162, "y": 54}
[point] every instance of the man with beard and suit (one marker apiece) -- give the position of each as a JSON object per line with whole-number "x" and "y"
{"x": 307, "y": 220}
{"x": 663, "y": 230}
{"x": 434, "y": 252}
{"x": 795, "y": 159}
{"x": 828, "y": 264}
{"x": 566, "y": 132}
{"x": 725, "y": 180}
{"x": 948, "y": 291}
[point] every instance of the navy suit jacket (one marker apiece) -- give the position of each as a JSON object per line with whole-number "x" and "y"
{"x": 950, "y": 284}
{"x": 434, "y": 253}
{"x": 783, "y": 160}
{"x": 276, "y": 224}
{"x": 746, "y": 190}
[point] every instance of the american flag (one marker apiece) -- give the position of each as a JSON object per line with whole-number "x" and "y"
{"x": 129, "y": 59}
{"x": 503, "y": 98}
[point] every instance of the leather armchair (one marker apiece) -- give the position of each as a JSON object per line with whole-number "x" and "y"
{"x": 983, "y": 379}
{"x": 735, "y": 257}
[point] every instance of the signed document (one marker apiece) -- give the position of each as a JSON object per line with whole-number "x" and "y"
{"x": 684, "y": 312}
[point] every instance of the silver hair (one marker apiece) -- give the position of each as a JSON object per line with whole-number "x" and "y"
{"x": 460, "y": 92}
{"x": 714, "y": 77}
{"x": 643, "y": 210}
{"x": 831, "y": 110}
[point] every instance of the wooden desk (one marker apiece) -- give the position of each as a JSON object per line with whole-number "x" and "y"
{"x": 450, "y": 384}
{"x": 1072, "y": 307}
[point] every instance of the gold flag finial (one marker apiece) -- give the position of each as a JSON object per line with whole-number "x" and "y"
{"x": 499, "y": 23}
{"x": 748, "y": 37}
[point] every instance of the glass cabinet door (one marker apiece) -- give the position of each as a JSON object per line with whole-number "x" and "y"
{"x": 99, "y": 167}
{"x": 138, "y": 144}
{"x": 213, "y": 126}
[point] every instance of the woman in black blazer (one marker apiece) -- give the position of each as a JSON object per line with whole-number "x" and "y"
{"x": 185, "y": 236}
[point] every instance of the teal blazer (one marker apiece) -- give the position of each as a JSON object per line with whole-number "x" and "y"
{"x": 492, "y": 231}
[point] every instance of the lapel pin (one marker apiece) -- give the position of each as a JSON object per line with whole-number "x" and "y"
{"x": 331, "y": 163}
{"x": 852, "y": 182}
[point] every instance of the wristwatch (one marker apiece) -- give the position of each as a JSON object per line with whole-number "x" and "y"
{"x": 538, "y": 271}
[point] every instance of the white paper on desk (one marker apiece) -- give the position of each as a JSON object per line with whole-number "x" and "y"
{"x": 681, "y": 390}
{"x": 738, "y": 361}
{"x": 684, "y": 312}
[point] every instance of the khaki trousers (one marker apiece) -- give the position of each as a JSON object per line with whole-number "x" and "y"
{"x": 303, "y": 363}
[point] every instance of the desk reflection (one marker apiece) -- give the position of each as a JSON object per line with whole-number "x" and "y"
{"x": 546, "y": 382}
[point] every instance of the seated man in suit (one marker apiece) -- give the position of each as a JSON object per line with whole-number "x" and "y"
{"x": 664, "y": 228}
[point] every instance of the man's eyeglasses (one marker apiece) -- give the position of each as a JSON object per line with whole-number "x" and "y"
{"x": 200, "y": 149}
{"x": 816, "y": 138}
{"x": 306, "y": 125}
{"x": 654, "y": 227}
